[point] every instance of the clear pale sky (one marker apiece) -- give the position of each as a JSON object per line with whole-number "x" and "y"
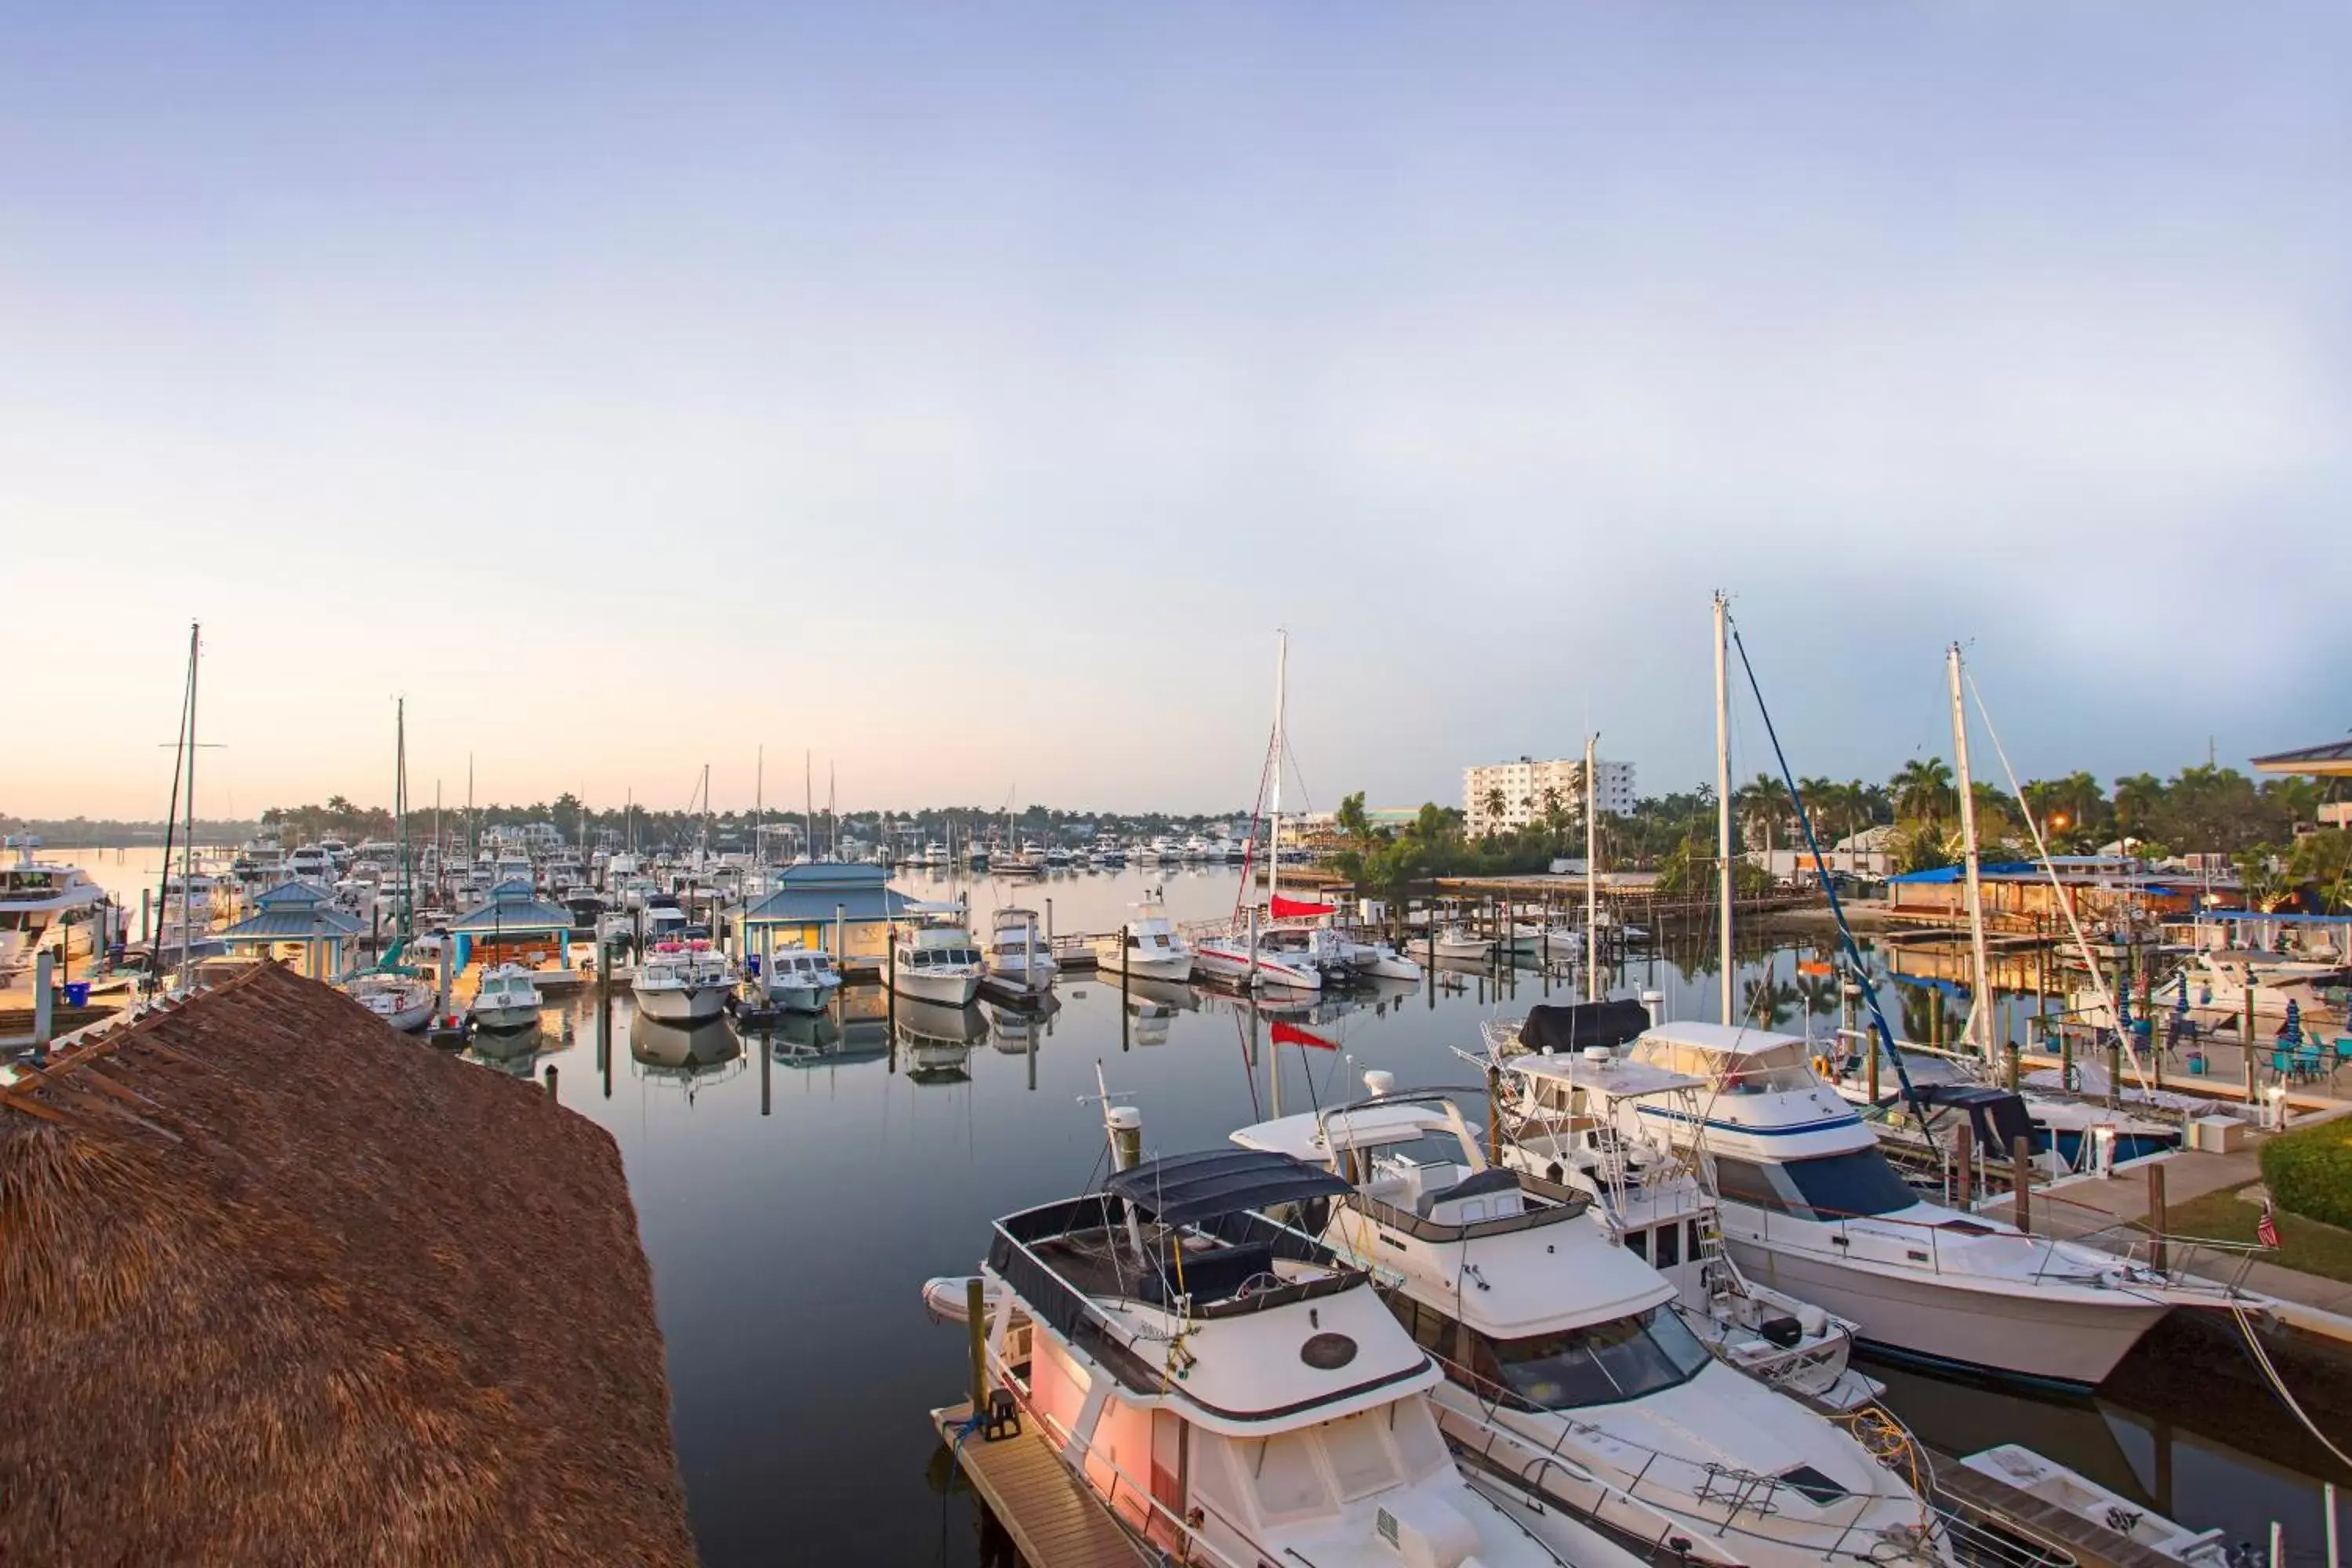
{"x": 966, "y": 393}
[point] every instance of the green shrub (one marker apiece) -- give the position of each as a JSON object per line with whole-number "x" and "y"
{"x": 2309, "y": 1172}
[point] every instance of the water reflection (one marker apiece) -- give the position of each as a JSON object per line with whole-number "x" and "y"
{"x": 510, "y": 1051}
{"x": 690, "y": 1055}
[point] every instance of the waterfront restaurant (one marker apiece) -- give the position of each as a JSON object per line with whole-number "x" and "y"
{"x": 830, "y": 906}
{"x": 514, "y": 925}
{"x": 296, "y": 923}
{"x": 2019, "y": 898}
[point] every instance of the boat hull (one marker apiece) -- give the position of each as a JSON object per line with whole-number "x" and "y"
{"x": 681, "y": 1004}
{"x": 1236, "y": 968}
{"x": 506, "y": 1017}
{"x": 948, "y": 990}
{"x": 407, "y": 1020}
{"x": 1179, "y": 968}
{"x": 798, "y": 997}
{"x": 2072, "y": 1341}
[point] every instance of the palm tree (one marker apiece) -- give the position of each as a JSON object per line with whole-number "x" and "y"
{"x": 1923, "y": 787}
{"x": 2138, "y": 799}
{"x": 1767, "y": 1002}
{"x": 1496, "y": 802}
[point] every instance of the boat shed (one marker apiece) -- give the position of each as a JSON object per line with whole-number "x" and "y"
{"x": 296, "y": 923}
{"x": 513, "y": 925}
{"x": 2018, "y": 894}
{"x": 843, "y": 909}
{"x": 251, "y": 1317}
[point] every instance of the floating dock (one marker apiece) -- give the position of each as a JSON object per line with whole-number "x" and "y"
{"x": 1052, "y": 1517}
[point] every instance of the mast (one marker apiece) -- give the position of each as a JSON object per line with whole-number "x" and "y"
{"x": 1723, "y": 804}
{"x": 188, "y": 846}
{"x": 1274, "y": 811}
{"x": 470, "y": 849}
{"x": 1592, "y": 872}
{"x": 808, "y": 800}
{"x": 1979, "y": 965}
{"x": 399, "y": 804}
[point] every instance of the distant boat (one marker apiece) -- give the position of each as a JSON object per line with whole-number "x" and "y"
{"x": 935, "y": 960}
{"x": 505, "y": 999}
{"x": 802, "y": 980}
{"x": 683, "y": 983}
{"x": 1152, "y": 951}
{"x": 1018, "y": 953}
{"x": 402, "y": 1001}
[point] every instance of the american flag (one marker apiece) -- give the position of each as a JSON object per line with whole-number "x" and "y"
{"x": 2266, "y": 1227}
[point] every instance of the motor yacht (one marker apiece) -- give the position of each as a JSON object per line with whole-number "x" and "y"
{"x": 1457, "y": 943}
{"x": 1381, "y": 961}
{"x": 1649, "y": 1198}
{"x": 1019, "y": 956}
{"x": 934, "y": 959}
{"x": 1232, "y": 1393}
{"x": 801, "y": 979}
{"x": 312, "y": 863}
{"x": 683, "y": 982}
{"x": 665, "y": 917}
{"x": 1810, "y": 1206}
{"x": 1572, "y": 1377}
{"x": 46, "y": 906}
{"x": 506, "y": 999}
{"x": 1149, "y": 948}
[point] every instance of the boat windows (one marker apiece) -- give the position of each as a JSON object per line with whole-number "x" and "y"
{"x": 1669, "y": 1246}
{"x": 1603, "y": 1364}
{"x": 1833, "y": 1186}
{"x": 1284, "y": 1473}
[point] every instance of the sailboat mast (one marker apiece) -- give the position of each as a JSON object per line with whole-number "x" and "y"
{"x": 188, "y": 844}
{"x": 1592, "y": 872}
{"x": 400, "y": 803}
{"x": 1274, "y": 811}
{"x": 808, "y": 801}
{"x": 1723, "y": 804}
{"x": 1978, "y": 1015}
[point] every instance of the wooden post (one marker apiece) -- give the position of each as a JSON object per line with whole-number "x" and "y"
{"x": 2021, "y": 1180}
{"x": 2155, "y": 1215}
{"x": 2114, "y": 1071}
{"x": 2015, "y": 1053}
{"x": 2248, "y": 1032}
{"x": 1873, "y": 1065}
{"x": 975, "y": 1311}
{"x": 550, "y": 1080}
{"x": 1964, "y": 1160}
{"x": 44, "y": 999}
{"x": 1494, "y": 1115}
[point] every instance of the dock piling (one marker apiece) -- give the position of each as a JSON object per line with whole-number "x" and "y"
{"x": 2155, "y": 1215}
{"x": 2020, "y": 1181}
{"x": 975, "y": 1311}
{"x": 2327, "y": 1501}
{"x": 1964, "y": 1161}
{"x": 44, "y": 998}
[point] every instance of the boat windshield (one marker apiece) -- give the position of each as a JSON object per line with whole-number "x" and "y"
{"x": 1604, "y": 1363}
{"x": 1833, "y": 1186}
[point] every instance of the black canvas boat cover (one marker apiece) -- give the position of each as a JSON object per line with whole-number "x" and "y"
{"x": 1998, "y": 1116}
{"x": 1568, "y": 1030}
{"x": 1186, "y": 1188}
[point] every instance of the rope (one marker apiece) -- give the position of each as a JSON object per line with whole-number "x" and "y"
{"x": 2278, "y": 1384}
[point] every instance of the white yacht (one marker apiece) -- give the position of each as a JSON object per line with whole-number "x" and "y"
{"x": 1230, "y": 1392}
{"x": 1810, "y": 1206}
{"x": 1380, "y": 959}
{"x": 801, "y": 979}
{"x": 1019, "y": 956}
{"x": 683, "y": 983}
{"x": 402, "y": 1001}
{"x": 665, "y": 919}
{"x": 935, "y": 856}
{"x": 1649, "y": 1199}
{"x": 1292, "y": 958}
{"x": 506, "y": 999}
{"x": 45, "y": 907}
{"x": 2216, "y": 982}
{"x": 934, "y": 958}
{"x": 1457, "y": 943}
{"x": 1572, "y": 1377}
{"x": 312, "y": 863}
{"x": 1152, "y": 950}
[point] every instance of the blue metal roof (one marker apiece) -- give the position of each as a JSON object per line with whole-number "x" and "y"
{"x": 1956, "y": 873}
{"x": 316, "y": 920}
{"x": 811, "y": 894}
{"x": 513, "y": 906}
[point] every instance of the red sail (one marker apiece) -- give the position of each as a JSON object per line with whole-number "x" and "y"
{"x": 1291, "y": 908}
{"x": 1292, "y": 1034}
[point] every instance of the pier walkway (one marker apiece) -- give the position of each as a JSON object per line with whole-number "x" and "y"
{"x": 1052, "y": 1516}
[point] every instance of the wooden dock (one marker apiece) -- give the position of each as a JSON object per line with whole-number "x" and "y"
{"x": 1052, "y": 1517}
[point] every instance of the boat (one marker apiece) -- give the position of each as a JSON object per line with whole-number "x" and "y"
{"x": 1291, "y": 960}
{"x": 312, "y": 863}
{"x": 801, "y": 979}
{"x": 506, "y": 999}
{"x": 935, "y": 856}
{"x": 1381, "y": 961}
{"x": 2216, "y": 984}
{"x": 1572, "y": 1379}
{"x": 1019, "y": 956}
{"x": 932, "y": 957}
{"x": 1652, "y": 1201}
{"x": 1810, "y": 1206}
{"x": 665, "y": 917}
{"x": 1229, "y": 1391}
{"x": 682, "y": 981}
{"x": 47, "y": 907}
{"x": 1458, "y": 943}
{"x": 402, "y": 1001}
{"x": 1148, "y": 947}
{"x": 1109, "y": 853}
{"x": 2102, "y": 1514}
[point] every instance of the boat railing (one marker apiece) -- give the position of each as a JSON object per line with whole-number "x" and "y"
{"x": 1143, "y": 1513}
{"x": 2046, "y": 1265}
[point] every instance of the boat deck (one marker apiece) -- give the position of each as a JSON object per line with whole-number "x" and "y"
{"x": 1052, "y": 1516}
{"x": 2087, "y": 1543}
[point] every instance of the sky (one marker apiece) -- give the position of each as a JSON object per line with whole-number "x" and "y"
{"x": 963, "y": 396}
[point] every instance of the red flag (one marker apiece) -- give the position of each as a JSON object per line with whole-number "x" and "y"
{"x": 1291, "y": 908}
{"x": 1292, "y": 1034}
{"x": 2265, "y": 1229}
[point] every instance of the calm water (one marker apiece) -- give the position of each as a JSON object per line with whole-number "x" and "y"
{"x": 794, "y": 1193}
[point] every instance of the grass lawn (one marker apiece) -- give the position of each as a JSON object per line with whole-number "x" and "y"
{"x": 2305, "y": 1244}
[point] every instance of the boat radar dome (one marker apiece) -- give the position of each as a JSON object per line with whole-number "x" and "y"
{"x": 1381, "y": 1084}
{"x": 1599, "y": 1056}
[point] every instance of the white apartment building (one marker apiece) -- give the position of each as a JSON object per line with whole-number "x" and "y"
{"x": 1525, "y": 784}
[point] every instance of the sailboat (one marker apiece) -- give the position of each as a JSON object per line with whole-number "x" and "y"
{"x": 1291, "y": 958}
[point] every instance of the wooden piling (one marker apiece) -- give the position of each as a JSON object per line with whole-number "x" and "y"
{"x": 1964, "y": 1159}
{"x": 2021, "y": 1180}
{"x": 2155, "y": 1215}
{"x": 975, "y": 1306}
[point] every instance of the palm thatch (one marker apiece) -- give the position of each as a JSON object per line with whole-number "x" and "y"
{"x": 278, "y": 1285}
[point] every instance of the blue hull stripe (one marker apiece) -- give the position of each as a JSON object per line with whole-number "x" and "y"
{"x": 1787, "y": 1132}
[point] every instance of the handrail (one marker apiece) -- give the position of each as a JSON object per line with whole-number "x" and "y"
{"x": 1087, "y": 1451}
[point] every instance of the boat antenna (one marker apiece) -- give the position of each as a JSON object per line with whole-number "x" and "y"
{"x": 1884, "y": 1039}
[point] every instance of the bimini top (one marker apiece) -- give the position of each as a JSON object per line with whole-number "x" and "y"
{"x": 1184, "y": 1188}
{"x": 1611, "y": 1024}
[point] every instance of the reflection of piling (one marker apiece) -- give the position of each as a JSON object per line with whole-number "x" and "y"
{"x": 604, "y": 1043}
{"x": 1125, "y": 968}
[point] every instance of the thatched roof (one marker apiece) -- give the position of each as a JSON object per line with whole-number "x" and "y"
{"x": 278, "y": 1285}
